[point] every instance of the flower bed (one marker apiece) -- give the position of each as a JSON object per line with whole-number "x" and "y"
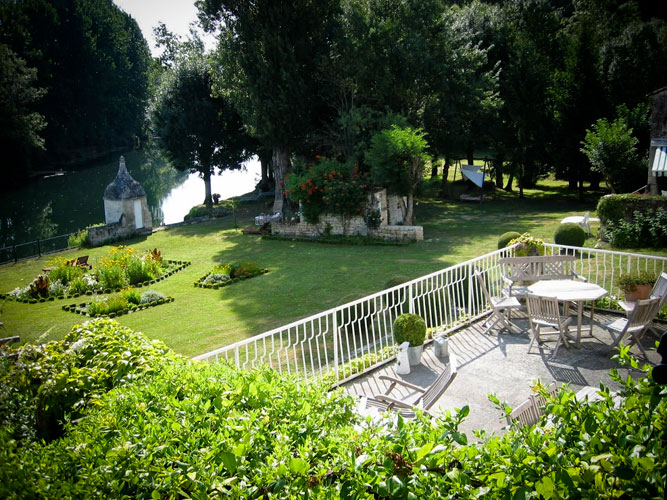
{"x": 125, "y": 302}
{"x": 120, "y": 268}
{"x": 227, "y": 274}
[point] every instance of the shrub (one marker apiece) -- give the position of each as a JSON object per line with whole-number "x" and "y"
{"x": 151, "y": 296}
{"x": 40, "y": 286}
{"x": 372, "y": 217}
{"x": 20, "y": 293}
{"x": 112, "y": 276}
{"x": 138, "y": 271}
{"x": 132, "y": 296}
{"x": 646, "y": 229}
{"x": 328, "y": 186}
{"x": 614, "y": 207}
{"x": 214, "y": 278}
{"x": 409, "y": 328}
{"x": 62, "y": 378}
{"x": 570, "y": 234}
{"x": 244, "y": 269}
{"x": 506, "y": 238}
{"x": 56, "y": 288}
{"x": 64, "y": 271}
{"x": 197, "y": 211}
{"x": 77, "y": 286}
{"x": 101, "y": 306}
{"x": 78, "y": 239}
{"x": 528, "y": 245}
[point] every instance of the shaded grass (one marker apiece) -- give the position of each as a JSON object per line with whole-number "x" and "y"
{"x": 304, "y": 278}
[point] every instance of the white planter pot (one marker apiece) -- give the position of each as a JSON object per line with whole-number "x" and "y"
{"x": 415, "y": 354}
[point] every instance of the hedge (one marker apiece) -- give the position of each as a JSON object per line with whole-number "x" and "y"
{"x": 613, "y": 207}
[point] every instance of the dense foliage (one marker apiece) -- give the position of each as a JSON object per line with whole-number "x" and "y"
{"x": 171, "y": 428}
{"x": 570, "y": 234}
{"x": 91, "y": 60}
{"x": 409, "y": 328}
{"x": 647, "y": 229}
{"x": 328, "y": 186}
{"x": 199, "y": 132}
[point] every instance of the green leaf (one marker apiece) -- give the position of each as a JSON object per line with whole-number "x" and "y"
{"x": 545, "y": 487}
{"x": 460, "y": 438}
{"x": 361, "y": 460}
{"x": 229, "y": 461}
{"x": 298, "y": 466}
{"x": 423, "y": 451}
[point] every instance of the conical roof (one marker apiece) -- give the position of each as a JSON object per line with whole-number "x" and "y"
{"x": 123, "y": 186}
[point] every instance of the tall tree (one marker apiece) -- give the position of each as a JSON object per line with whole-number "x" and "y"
{"x": 21, "y": 125}
{"x": 92, "y": 59}
{"x": 200, "y": 132}
{"x": 270, "y": 54}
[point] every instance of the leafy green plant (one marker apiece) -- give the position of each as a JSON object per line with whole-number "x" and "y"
{"x": 78, "y": 239}
{"x": 151, "y": 296}
{"x": 528, "y": 245}
{"x": 372, "y": 217}
{"x": 245, "y": 269}
{"x": 611, "y": 150}
{"x": 63, "y": 270}
{"x": 409, "y": 328}
{"x": 570, "y": 234}
{"x": 506, "y": 238}
{"x": 112, "y": 277}
{"x": 132, "y": 296}
{"x": 103, "y": 306}
{"x": 628, "y": 282}
{"x": 77, "y": 286}
{"x": 214, "y": 278}
{"x": 646, "y": 229}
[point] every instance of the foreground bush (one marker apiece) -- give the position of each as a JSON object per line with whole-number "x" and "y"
{"x": 212, "y": 431}
{"x": 61, "y": 379}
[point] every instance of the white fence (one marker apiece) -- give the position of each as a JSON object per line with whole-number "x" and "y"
{"x": 352, "y": 338}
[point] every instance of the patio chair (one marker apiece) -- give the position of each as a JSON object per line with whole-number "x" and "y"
{"x": 635, "y": 324}
{"x": 545, "y": 312}
{"x": 501, "y": 307}
{"x": 659, "y": 291}
{"x": 584, "y": 221}
{"x": 426, "y": 399}
{"x": 530, "y": 411}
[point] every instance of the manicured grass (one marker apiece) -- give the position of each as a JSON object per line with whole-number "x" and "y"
{"x": 304, "y": 278}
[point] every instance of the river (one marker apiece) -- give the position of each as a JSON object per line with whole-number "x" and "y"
{"x": 62, "y": 204}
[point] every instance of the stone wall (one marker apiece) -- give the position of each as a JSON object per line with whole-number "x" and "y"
{"x": 99, "y": 235}
{"x": 355, "y": 226}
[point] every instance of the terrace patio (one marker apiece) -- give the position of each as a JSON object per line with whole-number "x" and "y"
{"x": 499, "y": 363}
{"x": 353, "y": 343}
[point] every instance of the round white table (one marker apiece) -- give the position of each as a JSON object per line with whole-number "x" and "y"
{"x": 571, "y": 291}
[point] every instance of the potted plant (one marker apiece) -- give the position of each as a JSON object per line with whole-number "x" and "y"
{"x": 636, "y": 285}
{"x": 528, "y": 245}
{"x": 411, "y": 328}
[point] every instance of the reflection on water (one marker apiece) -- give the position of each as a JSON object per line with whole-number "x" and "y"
{"x": 63, "y": 204}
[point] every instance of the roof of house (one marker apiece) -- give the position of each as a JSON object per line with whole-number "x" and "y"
{"x": 123, "y": 186}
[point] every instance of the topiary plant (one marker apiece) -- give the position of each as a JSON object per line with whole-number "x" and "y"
{"x": 505, "y": 238}
{"x": 528, "y": 245}
{"x": 409, "y": 328}
{"x": 570, "y": 234}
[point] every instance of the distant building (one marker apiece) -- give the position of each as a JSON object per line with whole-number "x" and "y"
{"x": 126, "y": 210}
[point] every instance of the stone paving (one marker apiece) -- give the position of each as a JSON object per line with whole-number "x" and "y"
{"x": 499, "y": 363}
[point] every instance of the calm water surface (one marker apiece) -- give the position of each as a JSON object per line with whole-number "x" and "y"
{"x": 65, "y": 203}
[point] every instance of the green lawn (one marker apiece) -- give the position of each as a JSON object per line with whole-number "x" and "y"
{"x": 304, "y": 278}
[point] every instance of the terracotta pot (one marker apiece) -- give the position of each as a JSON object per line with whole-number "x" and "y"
{"x": 641, "y": 292}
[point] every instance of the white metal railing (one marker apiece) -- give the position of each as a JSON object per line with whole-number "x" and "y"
{"x": 359, "y": 332}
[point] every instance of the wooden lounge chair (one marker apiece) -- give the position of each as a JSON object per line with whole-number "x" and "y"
{"x": 425, "y": 400}
{"x": 82, "y": 262}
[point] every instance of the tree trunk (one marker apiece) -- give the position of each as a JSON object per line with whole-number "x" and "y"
{"x": 208, "y": 200}
{"x": 498, "y": 166}
{"x": 444, "y": 189}
{"x": 434, "y": 169}
{"x": 510, "y": 181}
{"x": 281, "y": 167}
{"x": 409, "y": 212}
{"x": 470, "y": 154}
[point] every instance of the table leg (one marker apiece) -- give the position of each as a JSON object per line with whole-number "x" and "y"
{"x": 580, "y": 313}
